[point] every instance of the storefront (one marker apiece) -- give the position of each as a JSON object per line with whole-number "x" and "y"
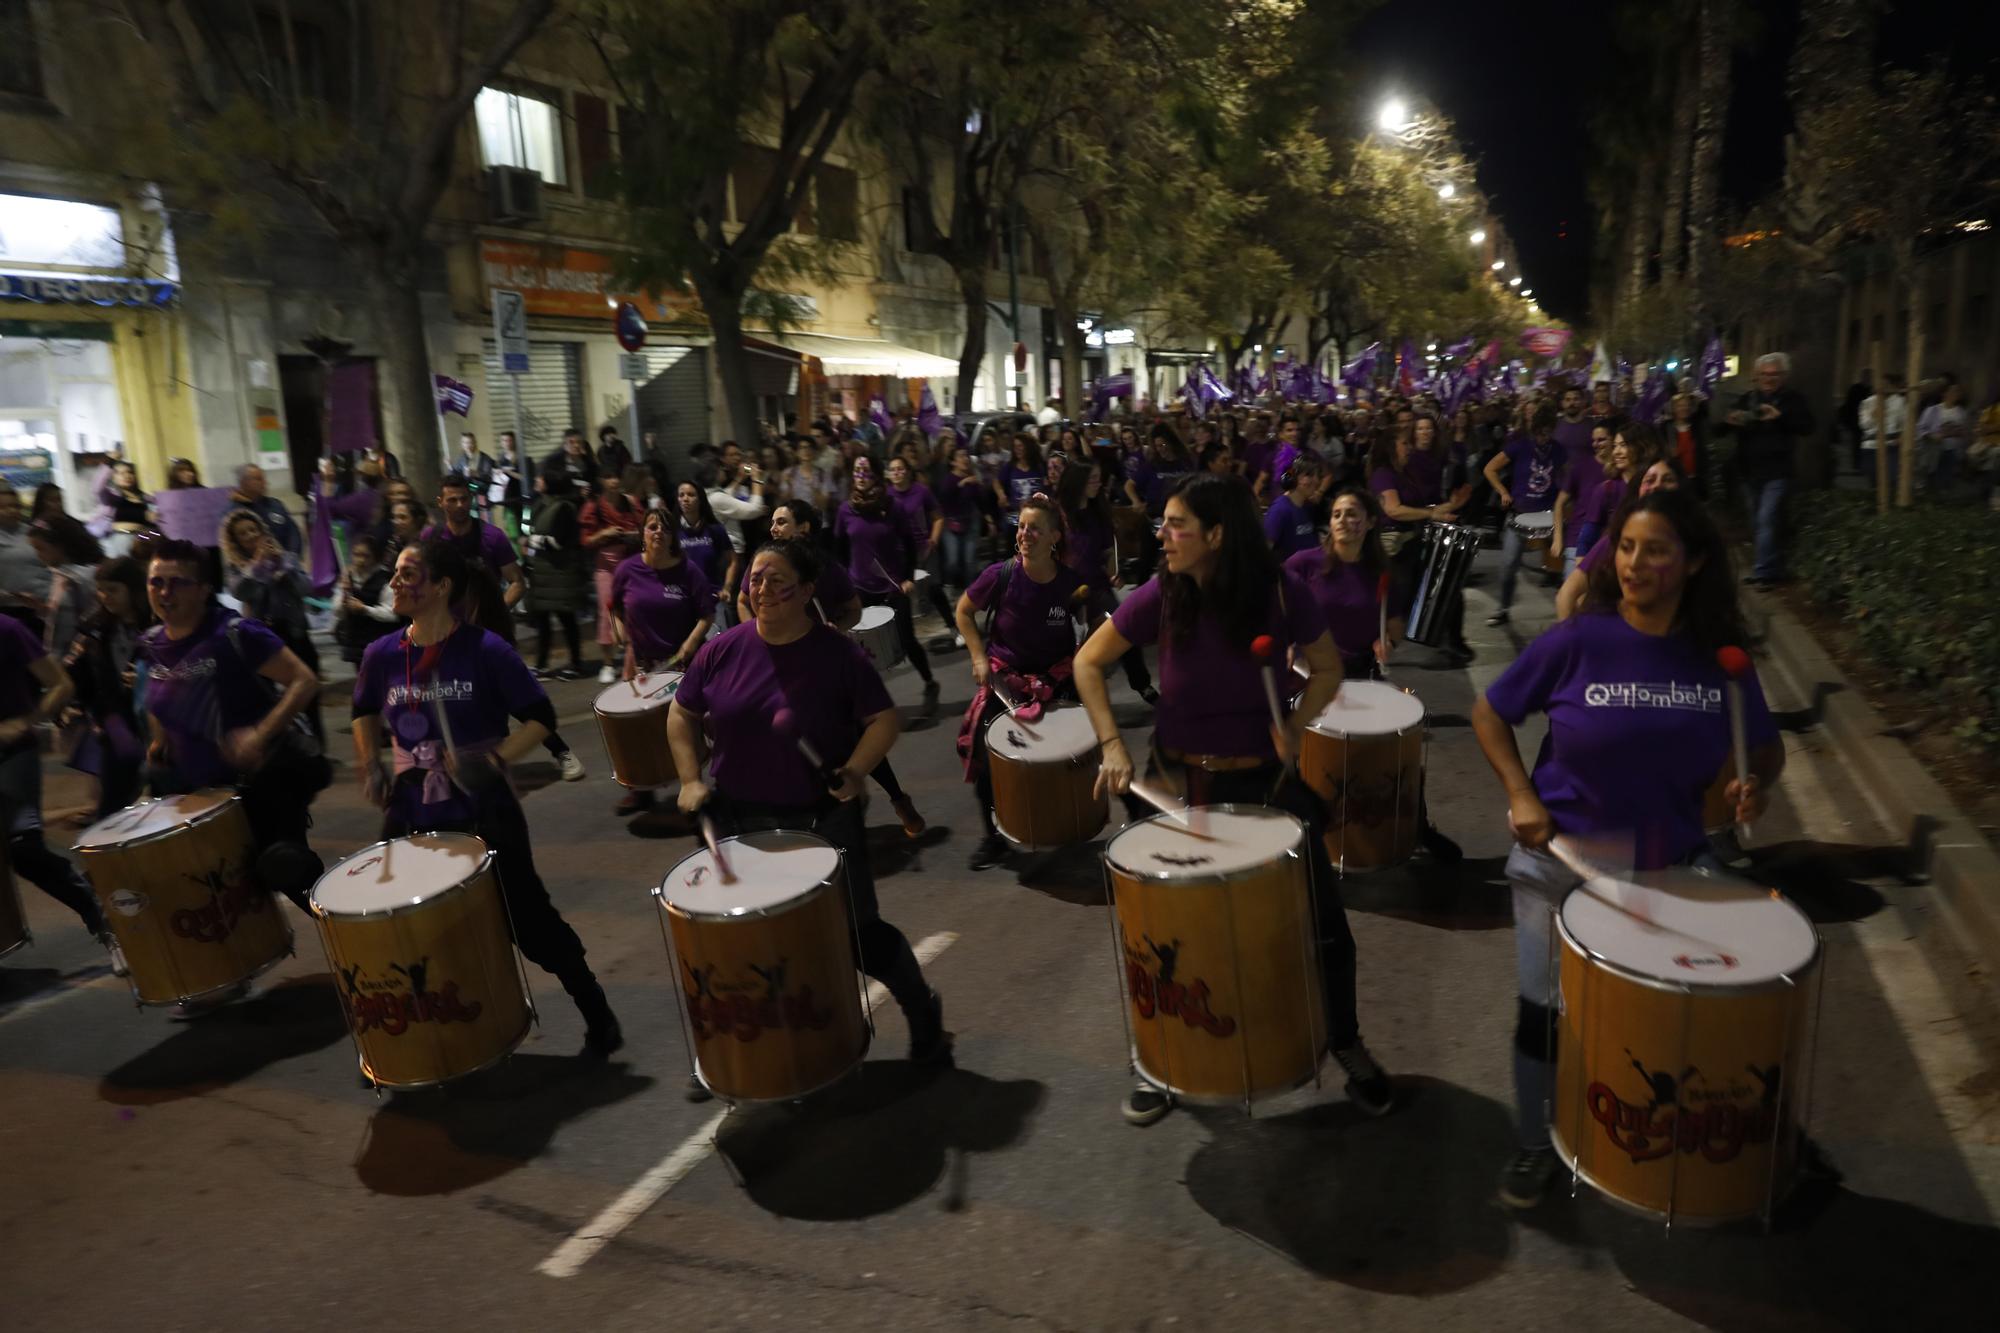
{"x": 842, "y": 376}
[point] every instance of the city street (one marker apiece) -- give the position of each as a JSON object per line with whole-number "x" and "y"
{"x": 234, "y": 1173}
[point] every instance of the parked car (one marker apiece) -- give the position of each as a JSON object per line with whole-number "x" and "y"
{"x": 973, "y": 425}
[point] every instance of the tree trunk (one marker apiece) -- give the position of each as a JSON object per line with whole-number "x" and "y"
{"x": 724, "y": 308}
{"x": 1704, "y": 181}
{"x": 972, "y": 352}
{"x": 1674, "y": 177}
{"x": 408, "y": 394}
{"x": 1642, "y": 203}
{"x": 1072, "y": 363}
{"x": 1912, "y": 284}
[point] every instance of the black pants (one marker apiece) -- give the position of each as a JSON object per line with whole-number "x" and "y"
{"x": 546, "y": 939}
{"x": 1282, "y": 789}
{"x": 568, "y": 619}
{"x": 935, "y": 583}
{"x": 21, "y": 811}
{"x": 885, "y": 953}
{"x": 906, "y": 630}
{"x": 885, "y": 778}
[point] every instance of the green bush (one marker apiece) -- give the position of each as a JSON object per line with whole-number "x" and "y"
{"x": 1918, "y": 589}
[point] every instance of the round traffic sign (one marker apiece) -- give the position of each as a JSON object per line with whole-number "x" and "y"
{"x": 631, "y": 327}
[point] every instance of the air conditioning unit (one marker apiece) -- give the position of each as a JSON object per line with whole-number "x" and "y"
{"x": 514, "y": 194}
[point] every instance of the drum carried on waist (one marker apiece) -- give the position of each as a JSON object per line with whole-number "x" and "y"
{"x": 766, "y": 965}
{"x": 876, "y": 633}
{"x": 1216, "y": 940}
{"x": 417, "y": 935}
{"x": 1448, "y": 552}
{"x": 1537, "y": 530}
{"x": 173, "y": 879}
{"x": 14, "y": 930}
{"x": 1043, "y": 773}
{"x": 1683, "y": 1065}
{"x": 632, "y": 715}
{"x": 1364, "y": 754}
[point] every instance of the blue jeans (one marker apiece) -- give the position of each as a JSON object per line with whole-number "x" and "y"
{"x": 1512, "y": 544}
{"x": 958, "y": 555}
{"x": 1767, "y": 501}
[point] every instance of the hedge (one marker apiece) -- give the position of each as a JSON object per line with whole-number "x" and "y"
{"x": 1918, "y": 588}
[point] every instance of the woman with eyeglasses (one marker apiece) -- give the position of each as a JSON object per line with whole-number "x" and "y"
{"x": 759, "y": 778}
{"x": 437, "y": 699}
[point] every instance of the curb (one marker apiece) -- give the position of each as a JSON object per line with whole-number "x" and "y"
{"x": 1946, "y": 849}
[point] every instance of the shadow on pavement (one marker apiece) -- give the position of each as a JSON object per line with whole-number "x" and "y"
{"x": 467, "y": 1133}
{"x": 1402, "y": 1205}
{"x": 290, "y": 1019}
{"x": 881, "y": 1140}
{"x": 891, "y": 851}
{"x": 1824, "y": 878}
{"x": 1073, "y": 875}
{"x": 24, "y": 983}
{"x": 1472, "y": 895}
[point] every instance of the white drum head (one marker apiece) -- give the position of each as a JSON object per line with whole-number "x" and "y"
{"x": 149, "y": 819}
{"x": 1369, "y": 708}
{"x": 920, "y": 575}
{"x": 640, "y": 695}
{"x": 771, "y": 869}
{"x": 1534, "y": 523}
{"x": 1682, "y": 926}
{"x": 399, "y": 873}
{"x": 1058, "y": 734}
{"x": 1239, "y": 838}
{"x": 876, "y": 620}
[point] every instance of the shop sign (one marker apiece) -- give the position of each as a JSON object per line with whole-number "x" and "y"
{"x": 554, "y": 280}
{"x": 86, "y": 289}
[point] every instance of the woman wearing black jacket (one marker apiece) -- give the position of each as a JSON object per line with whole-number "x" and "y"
{"x": 100, "y": 663}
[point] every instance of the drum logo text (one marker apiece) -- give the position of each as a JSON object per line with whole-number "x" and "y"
{"x": 393, "y": 1005}
{"x": 746, "y": 1010}
{"x": 1155, "y": 991}
{"x": 229, "y": 901}
{"x": 1715, "y": 1117}
{"x": 1696, "y": 962}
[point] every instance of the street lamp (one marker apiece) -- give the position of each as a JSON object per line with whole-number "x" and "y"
{"x": 1479, "y": 237}
{"x": 1430, "y": 347}
{"x": 1447, "y": 190}
{"x": 1394, "y": 116}
{"x": 1527, "y": 291}
{"x": 1499, "y": 264}
{"x": 1514, "y": 281}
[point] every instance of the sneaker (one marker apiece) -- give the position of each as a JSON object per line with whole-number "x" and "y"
{"x": 568, "y": 673}
{"x": 929, "y": 1042}
{"x": 1368, "y": 1087}
{"x": 1442, "y": 849}
{"x": 607, "y": 675}
{"x": 1145, "y": 1104}
{"x": 603, "y": 1037}
{"x": 634, "y": 802}
{"x": 958, "y": 641}
{"x": 541, "y": 673}
{"x": 990, "y": 852}
{"x": 696, "y": 1090}
{"x": 1150, "y": 695}
{"x": 119, "y": 967}
{"x": 1526, "y": 1180}
{"x": 906, "y": 810}
{"x": 1499, "y": 617}
{"x": 571, "y": 766}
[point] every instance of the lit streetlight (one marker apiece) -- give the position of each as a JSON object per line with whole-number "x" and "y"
{"x": 1514, "y": 281}
{"x": 1394, "y": 116}
{"x": 1527, "y": 291}
{"x": 1479, "y": 237}
{"x": 1499, "y": 264}
{"x": 1447, "y": 190}
{"x": 1430, "y": 347}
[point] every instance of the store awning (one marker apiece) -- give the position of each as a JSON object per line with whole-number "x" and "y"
{"x": 866, "y": 356}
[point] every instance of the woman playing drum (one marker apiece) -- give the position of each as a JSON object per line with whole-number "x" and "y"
{"x": 440, "y": 694}
{"x": 1090, "y": 548}
{"x": 1222, "y": 590}
{"x": 881, "y": 556}
{"x": 1536, "y": 462}
{"x": 1637, "y": 731}
{"x": 739, "y": 684}
{"x": 1409, "y": 485}
{"x": 661, "y": 608}
{"x": 1664, "y": 475}
{"x": 1017, "y": 619}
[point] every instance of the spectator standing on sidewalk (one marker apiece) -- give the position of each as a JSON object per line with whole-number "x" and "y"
{"x": 611, "y": 534}
{"x": 267, "y": 581}
{"x": 1943, "y": 432}
{"x": 555, "y": 569}
{"x": 1894, "y": 408}
{"x": 1768, "y": 422}
{"x": 253, "y": 492}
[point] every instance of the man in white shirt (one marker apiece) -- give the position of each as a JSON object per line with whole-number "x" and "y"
{"x": 1943, "y": 432}
{"x": 1051, "y": 413}
{"x": 1894, "y": 407}
{"x": 736, "y": 494}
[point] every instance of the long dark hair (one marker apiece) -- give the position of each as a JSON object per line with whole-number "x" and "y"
{"x": 1246, "y": 574}
{"x": 1071, "y": 489}
{"x": 1709, "y": 613}
{"x": 706, "y": 510}
{"x": 130, "y": 572}
{"x": 1373, "y": 558}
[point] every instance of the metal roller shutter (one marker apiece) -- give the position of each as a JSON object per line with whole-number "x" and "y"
{"x": 551, "y": 394}
{"x": 674, "y": 401}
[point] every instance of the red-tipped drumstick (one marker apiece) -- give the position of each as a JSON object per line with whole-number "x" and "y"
{"x": 1735, "y": 664}
{"x": 785, "y": 724}
{"x": 715, "y": 850}
{"x": 1382, "y": 620}
{"x": 1264, "y": 648}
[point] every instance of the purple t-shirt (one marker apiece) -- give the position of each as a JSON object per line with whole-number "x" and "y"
{"x": 1211, "y": 690}
{"x": 1165, "y": 476}
{"x": 709, "y": 550}
{"x": 832, "y": 590}
{"x": 486, "y": 544}
{"x": 1638, "y": 729}
{"x": 1601, "y": 503}
{"x": 481, "y": 682}
{"x": 1585, "y": 473}
{"x": 1019, "y": 483}
{"x": 1574, "y": 437}
{"x": 1408, "y": 489}
{"x": 1259, "y": 459}
{"x": 199, "y": 688}
{"x": 1347, "y": 597}
{"x": 19, "y": 650}
{"x": 918, "y": 508}
{"x": 958, "y": 500}
{"x": 1090, "y": 539}
{"x": 1289, "y": 527}
{"x": 1140, "y": 473}
{"x": 879, "y": 547}
{"x": 661, "y": 607}
{"x": 1533, "y": 484}
{"x": 738, "y": 682}
{"x": 1600, "y": 551}
{"x": 1032, "y": 630}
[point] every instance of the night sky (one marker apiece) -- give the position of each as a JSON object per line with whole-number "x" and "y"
{"x": 1520, "y": 89}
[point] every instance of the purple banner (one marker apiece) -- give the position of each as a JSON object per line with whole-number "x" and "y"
{"x": 194, "y": 514}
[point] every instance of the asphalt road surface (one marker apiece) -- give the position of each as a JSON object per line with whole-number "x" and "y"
{"x": 232, "y": 1173}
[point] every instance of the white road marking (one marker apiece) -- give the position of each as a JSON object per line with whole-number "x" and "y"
{"x": 69, "y": 985}
{"x": 570, "y": 1256}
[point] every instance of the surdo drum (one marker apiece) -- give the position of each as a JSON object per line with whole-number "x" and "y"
{"x": 1364, "y": 754}
{"x": 1215, "y": 936}
{"x": 765, "y": 966}
{"x": 173, "y": 879}
{"x": 633, "y": 717}
{"x": 1684, "y": 1057}
{"x": 416, "y": 932}
{"x": 1537, "y": 530}
{"x": 1042, "y": 773}
{"x": 1449, "y": 549}
{"x": 876, "y": 633}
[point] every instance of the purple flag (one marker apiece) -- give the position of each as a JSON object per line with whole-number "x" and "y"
{"x": 929, "y": 421}
{"x": 1507, "y": 379}
{"x": 878, "y": 414}
{"x": 1652, "y": 404}
{"x": 193, "y": 513}
{"x": 1459, "y": 348}
{"x": 1361, "y": 369}
{"x": 452, "y": 396}
{"x": 1406, "y": 371}
{"x": 1212, "y": 389}
{"x": 1712, "y": 364}
{"x": 1197, "y": 405}
{"x": 325, "y": 560}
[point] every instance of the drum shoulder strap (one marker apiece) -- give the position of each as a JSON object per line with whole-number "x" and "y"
{"x": 993, "y": 607}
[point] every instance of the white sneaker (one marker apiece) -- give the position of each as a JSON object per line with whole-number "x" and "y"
{"x": 571, "y": 766}
{"x": 958, "y": 641}
{"x": 605, "y": 675}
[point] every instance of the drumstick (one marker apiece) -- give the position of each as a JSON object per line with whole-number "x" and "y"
{"x": 1382, "y": 620}
{"x": 1262, "y": 648}
{"x": 715, "y": 850}
{"x": 895, "y": 584}
{"x": 1178, "y": 811}
{"x": 1735, "y": 663}
{"x": 786, "y": 724}
{"x": 1013, "y": 709}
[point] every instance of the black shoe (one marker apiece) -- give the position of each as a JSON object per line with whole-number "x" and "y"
{"x": 929, "y": 1042}
{"x": 1442, "y": 849}
{"x": 1145, "y": 1104}
{"x": 603, "y": 1037}
{"x": 1459, "y": 655}
{"x": 991, "y": 851}
{"x": 1368, "y": 1087}
{"x": 1499, "y": 617}
{"x": 1526, "y": 1180}
{"x": 1150, "y": 695}
{"x": 697, "y": 1091}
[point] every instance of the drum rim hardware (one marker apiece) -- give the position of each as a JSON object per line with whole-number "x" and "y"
{"x": 321, "y": 911}
{"x": 1296, "y": 846}
{"x": 752, "y": 839}
{"x": 190, "y": 821}
{"x": 1653, "y": 981}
